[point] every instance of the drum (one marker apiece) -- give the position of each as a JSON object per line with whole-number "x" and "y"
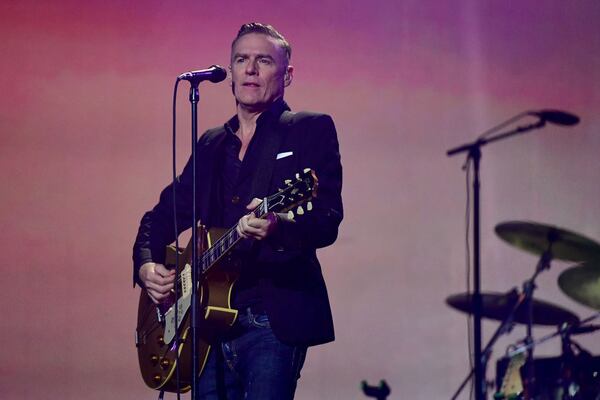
{"x": 556, "y": 378}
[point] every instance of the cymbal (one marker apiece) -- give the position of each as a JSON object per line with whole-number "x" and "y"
{"x": 582, "y": 284}
{"x": 496, "y": 306}
{"x": 536, "y": 238}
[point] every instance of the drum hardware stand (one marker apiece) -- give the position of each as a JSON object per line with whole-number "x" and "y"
{"x": 568, "y": 357}
{"x": 505, "y": 327}
{"x": 564, "y": 329}
{"x": 565, "y": 332}
{"x": 525, "y": 299}
{"x": 473, "y": 151}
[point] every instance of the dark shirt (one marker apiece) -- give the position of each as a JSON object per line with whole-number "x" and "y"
{"x": 236, "y": 193}
{"x": 233, "y": 208}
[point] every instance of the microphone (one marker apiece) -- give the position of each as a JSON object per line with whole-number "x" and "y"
{"x": 556, "y": 117}
{"x": 215, "y": 74}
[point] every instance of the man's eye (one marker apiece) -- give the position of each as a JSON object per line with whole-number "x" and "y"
{"x": 239, "y": 59}
{"x": 265, "y": 61}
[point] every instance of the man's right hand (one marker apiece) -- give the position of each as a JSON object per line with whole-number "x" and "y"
{"x": 158, "y": 280}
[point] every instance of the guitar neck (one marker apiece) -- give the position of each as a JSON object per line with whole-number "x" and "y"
{"x": 294, "y": 194}
{"x": 228, "y": 241}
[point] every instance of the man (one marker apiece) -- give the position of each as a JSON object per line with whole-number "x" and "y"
{"x": 281, "y": 296}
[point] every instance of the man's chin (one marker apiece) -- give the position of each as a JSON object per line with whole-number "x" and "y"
{"x": 255, "y": 106}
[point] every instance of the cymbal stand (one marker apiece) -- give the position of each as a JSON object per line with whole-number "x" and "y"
{"x": 528, "y": 289}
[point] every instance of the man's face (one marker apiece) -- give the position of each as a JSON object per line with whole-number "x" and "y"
{"x": 259, "y": 71}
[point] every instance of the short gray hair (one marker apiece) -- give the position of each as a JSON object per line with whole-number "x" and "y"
{"x": 257, "y": 27}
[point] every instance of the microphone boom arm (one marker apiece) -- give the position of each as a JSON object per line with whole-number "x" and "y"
{"x": 484, "y": 141}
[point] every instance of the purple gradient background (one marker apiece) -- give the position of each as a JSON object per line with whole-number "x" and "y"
{"x": 85, "y": 149}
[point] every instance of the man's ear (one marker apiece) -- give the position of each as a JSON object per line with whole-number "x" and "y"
{"x": 230, "y": 79}
{"x": 288, "y": 76}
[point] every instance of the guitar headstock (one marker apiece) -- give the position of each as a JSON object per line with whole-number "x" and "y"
{"x": 296, "y": 193}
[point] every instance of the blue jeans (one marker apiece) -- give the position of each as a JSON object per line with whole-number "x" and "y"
{"x": 253, "y": 366}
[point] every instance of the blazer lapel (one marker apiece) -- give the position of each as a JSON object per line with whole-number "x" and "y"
{"x": 207, "y": 168}
{"x": 265, "y": 163}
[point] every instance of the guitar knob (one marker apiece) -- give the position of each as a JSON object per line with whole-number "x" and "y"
{"x": 164, "y": 363}
{"x": 157, "y": 379}
{"x": 154, "y": 359}
{"x": 309, "y": 206}
{"x": 290, "y": 215}
{"x": 161, "y": 341}
{"x": 300, "y": 210}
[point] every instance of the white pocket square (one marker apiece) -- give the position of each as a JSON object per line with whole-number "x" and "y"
{"x": 284, "y": 155}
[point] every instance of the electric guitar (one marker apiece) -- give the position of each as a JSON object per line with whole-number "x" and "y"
{"x": 164, "y": 342}
{"x": 512, "y": 385}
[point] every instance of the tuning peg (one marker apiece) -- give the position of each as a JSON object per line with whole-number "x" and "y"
{"x": 300, "y": 210}
{"x": 309, "y": 206}
{"x": 298, "y": 176}
{"x": 306, "y": 170}
{"x": 288, "y": 182}
{"x": 290, "y": 215}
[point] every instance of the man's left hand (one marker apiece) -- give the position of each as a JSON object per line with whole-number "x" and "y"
{"x": 251, "y": 227}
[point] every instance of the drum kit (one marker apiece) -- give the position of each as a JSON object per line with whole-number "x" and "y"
{"x": 575, "y": 374}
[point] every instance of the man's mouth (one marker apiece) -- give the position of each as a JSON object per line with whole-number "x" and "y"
{"x": 251, "y": 84}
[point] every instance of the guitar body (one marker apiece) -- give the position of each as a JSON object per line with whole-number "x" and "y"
{"x": 155, "y": 333}
{"x": 158, "y": 328}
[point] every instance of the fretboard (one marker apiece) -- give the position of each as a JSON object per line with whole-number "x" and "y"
{"x": 228, "y": 241}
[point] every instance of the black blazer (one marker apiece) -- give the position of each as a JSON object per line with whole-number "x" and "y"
{"x": 293, "y": 290}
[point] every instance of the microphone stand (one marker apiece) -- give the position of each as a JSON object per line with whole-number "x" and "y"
{"x": 473, "y": 151}
{"x": 194, "y": 98}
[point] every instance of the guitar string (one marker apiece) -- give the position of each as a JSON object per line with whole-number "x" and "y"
{"x": 213, "y": 254}
{"x": 209, "y": 254}
{"x": 230, "y": 234}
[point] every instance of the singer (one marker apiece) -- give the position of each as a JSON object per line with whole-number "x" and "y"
{"x": 280, "y": 296}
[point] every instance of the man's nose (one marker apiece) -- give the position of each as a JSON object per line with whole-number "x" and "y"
{"x": 251, "y": 67}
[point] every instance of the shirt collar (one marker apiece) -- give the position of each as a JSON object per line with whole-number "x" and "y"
{"x": 271, "y": 114}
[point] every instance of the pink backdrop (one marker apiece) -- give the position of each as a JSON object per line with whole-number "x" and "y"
{"x": 85, "y": 149}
